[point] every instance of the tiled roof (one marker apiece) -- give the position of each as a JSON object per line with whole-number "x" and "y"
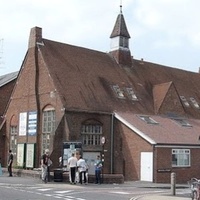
{"x": 7, "y": 78}
{"x": 85, "y": 77}
{"x": 167, "y": 131}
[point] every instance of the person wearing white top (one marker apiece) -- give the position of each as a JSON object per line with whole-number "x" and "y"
{"x": 72, "y": 162}
{"x": 82, "y": 167}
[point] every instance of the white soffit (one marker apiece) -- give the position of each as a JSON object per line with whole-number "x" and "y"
{"x": 140, "y": 133}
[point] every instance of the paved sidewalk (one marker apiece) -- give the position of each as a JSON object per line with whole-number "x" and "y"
{"x": 163, "y": 197}
{"x": 160, "y": 196}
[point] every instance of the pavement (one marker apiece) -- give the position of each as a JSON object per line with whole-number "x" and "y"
{"x": 168, "y": 195}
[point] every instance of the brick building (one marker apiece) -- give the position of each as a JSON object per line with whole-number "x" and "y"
{"x": 149, "y": 118}
{"x": 7, "y": 83}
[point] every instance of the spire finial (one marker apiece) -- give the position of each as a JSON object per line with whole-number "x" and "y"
{"x": 121, "y": 6}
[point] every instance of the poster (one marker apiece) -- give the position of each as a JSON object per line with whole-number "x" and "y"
{"x": 30, "y": 148}
{"x": 69, "y": 148}
{"x": 32, "y": 123}
{"x": 22, "y": 123}
{"x": 20, "y": 155}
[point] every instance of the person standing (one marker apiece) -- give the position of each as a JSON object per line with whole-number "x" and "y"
{"x": 72, "y": 162}
{"x": 10, "y": 162}
{"x": 82, "y": 167}
{"x": 45, "y": 159}
{"x": 98, "y": 167}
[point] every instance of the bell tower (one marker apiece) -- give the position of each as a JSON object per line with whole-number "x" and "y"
{"x": 119, "y": 48}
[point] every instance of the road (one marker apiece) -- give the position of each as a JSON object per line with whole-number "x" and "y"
{"x": 24, "y": 188}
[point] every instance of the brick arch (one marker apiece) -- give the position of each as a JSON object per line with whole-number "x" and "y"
{"x": 91, "y": 121}
{"x": 14, "y": 120}
{"x": 48, "y": 107}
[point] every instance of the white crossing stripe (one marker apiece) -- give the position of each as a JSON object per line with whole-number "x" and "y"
{"x": 44, "y": 189}
{"x": 63, "y": 192}
{"x": 115, "y": 192}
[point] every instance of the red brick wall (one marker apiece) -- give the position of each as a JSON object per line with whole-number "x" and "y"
{"x": 163, "y": 158}
{"x": 5, "y": 92}
{"x": 24, "y": 98}
{"x": 76, "y": 119}
{"x": 127, "y": 161}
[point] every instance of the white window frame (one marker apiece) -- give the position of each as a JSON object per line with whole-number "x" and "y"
{"x": 182, "y": 156}
{"x": 45, "y": 142}
{"x": 48, "y": 123}
{"x": 118, "y": 91}
{"x": 148, "y": 119}
{"x": 91, "y": 134}
{"x": 13, "y": 139}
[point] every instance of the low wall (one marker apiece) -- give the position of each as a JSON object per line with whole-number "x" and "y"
{"x": 36, "y": 173}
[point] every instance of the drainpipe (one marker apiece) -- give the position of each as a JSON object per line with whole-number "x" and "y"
{"x": 111, "y": 144}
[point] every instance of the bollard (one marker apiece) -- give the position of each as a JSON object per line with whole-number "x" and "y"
{"x": 173, "y": 183}
{"x": 0, "y": 170}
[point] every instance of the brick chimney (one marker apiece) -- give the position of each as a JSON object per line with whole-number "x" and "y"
{"x": 35, "y": 37}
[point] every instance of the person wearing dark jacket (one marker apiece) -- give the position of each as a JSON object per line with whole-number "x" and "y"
{"x": 10, "y": 162}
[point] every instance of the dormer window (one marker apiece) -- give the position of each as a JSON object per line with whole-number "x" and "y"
{"x": 118, "y": 91}
{"x": 194, "y": 102}
{"x": 148, "y": 119}
{"x": 184, "y": 100}
{"x": 131, "y": 94}
{"x": 182, "y": 122}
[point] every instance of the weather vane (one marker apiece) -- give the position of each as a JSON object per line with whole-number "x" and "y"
{"x": 120, "y": 6}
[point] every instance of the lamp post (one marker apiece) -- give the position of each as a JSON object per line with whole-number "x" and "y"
{"x": 103, "y": 140}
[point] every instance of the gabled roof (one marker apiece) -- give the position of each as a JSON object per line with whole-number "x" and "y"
{"x": 167, "y": 131}
{"x": 7, "y": 78}
{"x": 85, "y": 80}
{"x": 159, "y": 94}
{"x": 85, "y": 77}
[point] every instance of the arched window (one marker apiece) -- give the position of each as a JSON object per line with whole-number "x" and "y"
{"x": 48, "y": 126}
{"x": 48, "y": 120}
{"x": 13, "y": 134}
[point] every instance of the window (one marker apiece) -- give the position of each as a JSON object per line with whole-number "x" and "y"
{"x": 48, "y": 127}
{"x": 13, "y": 139}
{"x": 196, "y": 105}
{"x": 184, "y": 100}
{"x": 118, "y": 91}
{"x": 45, "y": 142}
{"x": 182, "y": 122}
{"x": 48, "y": 121}
{"x": 131, "y": 94}
{"x": 13, "y": 130}
{"x": 148, "y": 119}
{"x": 180, "y": 157}
{"x": 124, "y": 42}
{"x": 91, "y": 134}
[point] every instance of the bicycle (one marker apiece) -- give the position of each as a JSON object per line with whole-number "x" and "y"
{"x": 195, "y": 188}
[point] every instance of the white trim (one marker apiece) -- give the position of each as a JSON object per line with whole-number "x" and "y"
{"x": 140, "y": 133}
{"x": 178, "y": 146}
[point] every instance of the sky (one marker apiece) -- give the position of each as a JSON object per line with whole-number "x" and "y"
{"x": 165, "y": 32}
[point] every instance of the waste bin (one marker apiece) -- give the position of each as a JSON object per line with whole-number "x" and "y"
{"x": 58, "y": 175}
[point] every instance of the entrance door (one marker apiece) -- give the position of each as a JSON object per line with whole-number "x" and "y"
{"x": 90, "y": 158}
{"x": 146, "y": 165}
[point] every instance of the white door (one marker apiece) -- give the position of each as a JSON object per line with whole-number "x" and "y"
{"x": 90, "y": 158}
{"x": 146, "y": 166}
